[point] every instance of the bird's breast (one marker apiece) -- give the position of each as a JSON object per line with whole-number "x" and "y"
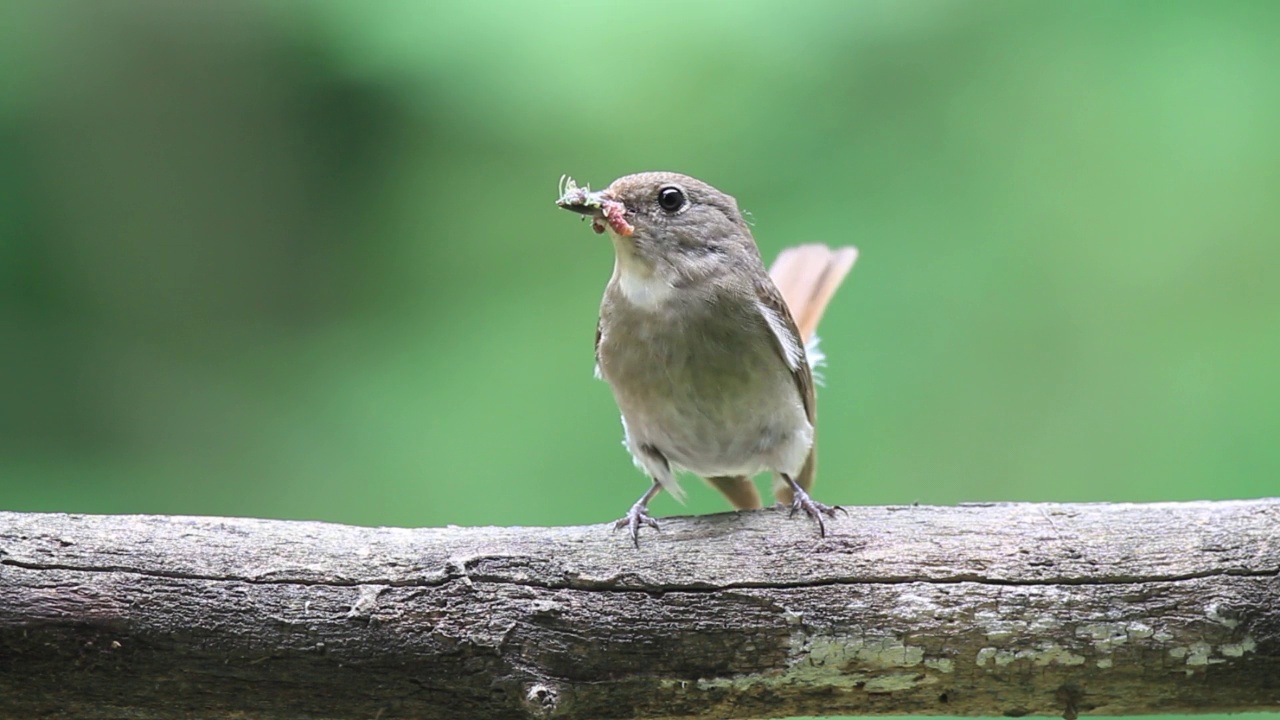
{"x": 705, "y": 384}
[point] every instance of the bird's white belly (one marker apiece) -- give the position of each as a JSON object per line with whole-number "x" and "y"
{"x": 701, "y": 382}
{"x": 733, "y": 436}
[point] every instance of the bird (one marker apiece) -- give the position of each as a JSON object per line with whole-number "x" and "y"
{"x": 709, "y": 356}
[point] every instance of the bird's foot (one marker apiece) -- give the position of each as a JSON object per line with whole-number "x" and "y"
{"x": 814, "y": 509}
{"x": 638, "y": 515}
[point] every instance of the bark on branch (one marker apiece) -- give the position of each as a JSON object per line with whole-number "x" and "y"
{"x": 989, "y": 610}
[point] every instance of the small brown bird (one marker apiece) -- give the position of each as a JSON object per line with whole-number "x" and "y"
{"x": 705, "y": 353}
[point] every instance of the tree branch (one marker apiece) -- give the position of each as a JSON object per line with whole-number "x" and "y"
{"x": 972, "y": 610}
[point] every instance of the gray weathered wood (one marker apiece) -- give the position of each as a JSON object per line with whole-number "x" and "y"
{"x": 996, "y": 609}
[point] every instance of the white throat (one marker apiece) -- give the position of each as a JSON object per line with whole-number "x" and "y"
{"x": 640, "y": 285}
{"x": 645, "y": 292}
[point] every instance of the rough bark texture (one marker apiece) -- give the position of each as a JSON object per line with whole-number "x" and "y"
{"x": 990, "y": 610}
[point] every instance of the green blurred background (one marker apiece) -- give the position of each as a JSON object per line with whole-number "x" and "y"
{"x": 300, "y": 259}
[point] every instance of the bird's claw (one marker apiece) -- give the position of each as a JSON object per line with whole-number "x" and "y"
{"x": 638, "y": 515}
{"x": 814, "y": 509}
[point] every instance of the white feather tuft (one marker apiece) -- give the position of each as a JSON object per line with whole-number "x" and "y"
{"x": 817, "y": 359}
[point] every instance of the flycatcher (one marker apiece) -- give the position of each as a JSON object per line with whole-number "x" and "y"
{"x": 704, "y": 350}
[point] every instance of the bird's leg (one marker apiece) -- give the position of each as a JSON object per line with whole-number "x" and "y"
{"x": 639, "y": 514}
{"x": 811, "y": 507}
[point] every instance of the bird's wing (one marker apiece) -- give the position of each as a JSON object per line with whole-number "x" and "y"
{"x": 787, "y": 341}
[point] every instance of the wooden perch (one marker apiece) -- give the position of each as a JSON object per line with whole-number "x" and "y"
{"x": 974, "y": 610}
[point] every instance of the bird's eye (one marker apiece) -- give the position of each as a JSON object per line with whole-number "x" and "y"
{"x": 671, "y": 198}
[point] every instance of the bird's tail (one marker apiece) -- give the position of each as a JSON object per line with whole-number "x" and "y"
{"x": 807, "y": 276}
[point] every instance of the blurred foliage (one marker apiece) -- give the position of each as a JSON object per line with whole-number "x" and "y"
{"x": 300, "y": 259}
